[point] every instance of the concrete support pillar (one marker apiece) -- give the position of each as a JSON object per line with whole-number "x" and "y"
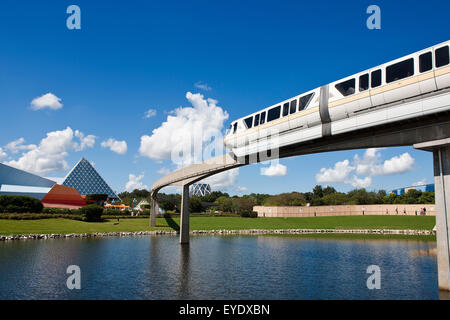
{"x": 441, "y": 160}
{"x": 154, "y": 210}
{"x": 441, "y": 164}
{"x": 184, "y": 223}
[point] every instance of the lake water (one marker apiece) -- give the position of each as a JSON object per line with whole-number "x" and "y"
{"x": 216, "y": 267}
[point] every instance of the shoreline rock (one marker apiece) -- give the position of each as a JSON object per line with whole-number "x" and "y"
{"x": 217, "y": 232}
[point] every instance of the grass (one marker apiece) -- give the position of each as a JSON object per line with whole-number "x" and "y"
{"x": 62, "y": 226}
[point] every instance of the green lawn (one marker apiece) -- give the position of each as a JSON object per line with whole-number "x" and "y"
{"x": 46, "y": 226}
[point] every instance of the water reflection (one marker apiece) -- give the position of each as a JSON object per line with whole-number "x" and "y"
{"x": 217, "y": 267}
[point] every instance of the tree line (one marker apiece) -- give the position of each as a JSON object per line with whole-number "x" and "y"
{"x": 320, "y": 196}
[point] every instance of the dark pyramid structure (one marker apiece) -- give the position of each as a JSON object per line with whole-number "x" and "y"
{"x": 87, "y": 180}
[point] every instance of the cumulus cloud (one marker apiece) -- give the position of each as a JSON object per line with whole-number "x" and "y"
{"x": 420, "y": 182}
{"x": 119, "y": 147}
{"x": 164, "y": 171}
{"x": 274, "y": 170}
{"x": 3, "y": 155}
{"x": 17, "y": 145}
{"x": 369, "y": 165}
{"x": 51, "y": 152}
{"x": 223, "y": 180}
{"x": 150, "y": 113}
{"x": 339, "y": 173}
{"x": 203, "y": 86}
{"x": 48, "y": 100}
{"x": 186, "y": 132}
{"x": 240, "y": 189}
{"x": 134, "y": 182}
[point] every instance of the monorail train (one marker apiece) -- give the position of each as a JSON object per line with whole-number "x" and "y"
{"x": 409, "y": 87}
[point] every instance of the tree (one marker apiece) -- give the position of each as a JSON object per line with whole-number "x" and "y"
{"x": 225, "y": 204}
{"x": 427, "y": 197}
{"x": 245, "y": 204}
{"x": 337, "y": 198}
{"x": 318, "y": 191}
{"x": 195, "y": 204}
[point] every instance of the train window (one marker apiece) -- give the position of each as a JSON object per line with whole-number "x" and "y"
{"x": 364, "y": 82}
{"x": 273, "y": 113}
{"x": 249, "y": 121}
{"x": 375, "y": 78}
{"x": 442, "y": 57}
{"x": 256, "y": 123}
{"x": 425, "y": 62}
{"x": 304, "y": 101}
{"x": 235, "y": 127}
{"x": 293, "y": 106}
{"x": 263, "y": 118}
{"x": 400, "y": 70}
{"x": 347, "y": 87}
{"x": 285, "y": 109}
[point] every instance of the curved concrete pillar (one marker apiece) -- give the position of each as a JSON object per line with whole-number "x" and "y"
{"x": 441, "y": 166}
{"x": 154, "y": 209}
{"x": 184, "y": 222}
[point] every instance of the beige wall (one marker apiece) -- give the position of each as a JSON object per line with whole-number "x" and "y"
{"x": 348, "y": 210}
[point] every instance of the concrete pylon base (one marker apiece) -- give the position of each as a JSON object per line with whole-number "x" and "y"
{"x": 184, "y": 223}
{"x": 154, "y": 211}
{"x": 441, "y": 166}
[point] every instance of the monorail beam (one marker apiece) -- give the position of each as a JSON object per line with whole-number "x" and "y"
{"x": 441, "y": 166}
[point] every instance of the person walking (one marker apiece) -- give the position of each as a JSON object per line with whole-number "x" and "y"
{"x": 424, "y": 211}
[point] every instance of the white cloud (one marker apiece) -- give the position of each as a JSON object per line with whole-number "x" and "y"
{"x": 203, "y": 86}
{"x": 134, "y": 182}
{"x": 119, "y": 147}
{"x": 420, "y": 183}
{"x": 339, "y": 173}
{"x": 360, "y": 183}
{"x": 3, "y": 154}
{"x": 17, "y": 145}
{"x": 164, "y": 171}
{"x": 58, "y": 180}
{"x": 369, "y": 165}
{"x": 186, "y": 129}
{"x": 277, "y": 170}
{"x": 150, "y": 113}
{"x": 223, "y": 180}
{"x": 240, "y": 189}
{"x": 48, "y": 100}
{"x": 51, "y": 152}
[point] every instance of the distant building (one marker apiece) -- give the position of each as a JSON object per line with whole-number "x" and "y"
{"x": 21, "y": 183}
{"x": 140, "y": 204}
{"x": 18, "y": 182}
{"x": 82, "y": 180}
{"x": 87, "y": 180}
{"x": 200, "y": 189}
{"x": 423, "y": 188}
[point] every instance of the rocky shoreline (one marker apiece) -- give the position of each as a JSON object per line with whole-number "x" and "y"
{"x": 219, "y": 232}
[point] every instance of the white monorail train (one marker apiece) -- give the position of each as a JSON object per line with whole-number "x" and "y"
{"x": 409, "y": 87}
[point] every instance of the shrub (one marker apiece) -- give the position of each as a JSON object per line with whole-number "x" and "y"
{"x": 20, "y": 204}
{"x": 61, "y": 211}
{"x": 91, "y": 213}
{"x": 252, "y": 214}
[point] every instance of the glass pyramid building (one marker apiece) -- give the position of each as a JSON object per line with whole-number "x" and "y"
{"x": 87, "y": 180}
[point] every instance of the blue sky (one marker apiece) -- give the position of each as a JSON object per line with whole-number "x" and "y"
{"x": 133, "y": 56}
